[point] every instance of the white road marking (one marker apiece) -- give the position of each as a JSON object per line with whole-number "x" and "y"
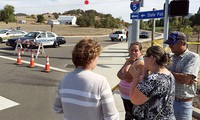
{"x": 68, "y": 45}
{"x": 36, "y": 64}
{"x": 6, "y": 103}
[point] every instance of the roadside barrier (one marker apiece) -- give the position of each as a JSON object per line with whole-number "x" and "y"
{"x": 115, "y": 88}
{"x": 40, "y": 49}
{"x": 32, "y": 64}
{"x": 19, "y": 58}
{"x": 47, "y": 66}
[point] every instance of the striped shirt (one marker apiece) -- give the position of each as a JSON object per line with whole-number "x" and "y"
{"x": 85, "y": 95}
{"x": 187, "y": 63}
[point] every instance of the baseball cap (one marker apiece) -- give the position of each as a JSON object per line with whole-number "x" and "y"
{"x": 174, "y": 37}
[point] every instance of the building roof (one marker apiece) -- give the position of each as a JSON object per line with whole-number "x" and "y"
{"x": 63, "y": 17}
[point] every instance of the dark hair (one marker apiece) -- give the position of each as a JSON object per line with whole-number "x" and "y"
{"x": 162, "y": 58}
{"x": 136, "y": 43}
{"x": 84, "y": 51}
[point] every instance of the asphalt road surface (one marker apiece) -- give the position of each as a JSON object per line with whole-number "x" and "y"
{"x": 27, "y": 93}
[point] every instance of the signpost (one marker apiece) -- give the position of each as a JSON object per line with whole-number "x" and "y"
{"x": 135, "y": 7}
{"x": 148, "y": 14}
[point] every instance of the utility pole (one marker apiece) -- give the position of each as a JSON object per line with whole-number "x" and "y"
{"x": 166, "y": 22}
{"x": 135, "y": 23}
{"x": 135, "y": 30}
{"x": 153, "y": 30}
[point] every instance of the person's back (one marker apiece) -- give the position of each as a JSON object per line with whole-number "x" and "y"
{"x": 83, "y": 94}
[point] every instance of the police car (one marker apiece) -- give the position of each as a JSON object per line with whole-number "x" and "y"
{"x": 44, "y": 37}
{"x": 5, "y": 34}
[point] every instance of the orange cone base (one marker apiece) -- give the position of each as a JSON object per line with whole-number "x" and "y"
{"x": 18, "y": 62}
{"x": 47, "y": 69}
{"x": 31, "y": 64}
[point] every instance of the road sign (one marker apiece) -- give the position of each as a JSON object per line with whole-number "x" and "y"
{"x": 135, "y": 6}
{"x": 134, "y": 16}
{"x": 148, "y": 14}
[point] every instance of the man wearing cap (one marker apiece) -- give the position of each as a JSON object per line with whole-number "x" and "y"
{"x": 185, "y": 67}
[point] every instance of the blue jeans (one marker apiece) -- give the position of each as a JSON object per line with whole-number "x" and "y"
{"x": 183, "y": 110}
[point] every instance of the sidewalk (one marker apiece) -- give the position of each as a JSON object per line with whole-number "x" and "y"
{"x": 110, "y": 61}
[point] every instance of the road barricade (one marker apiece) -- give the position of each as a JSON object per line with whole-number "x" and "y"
{"x": 20, "y": 43}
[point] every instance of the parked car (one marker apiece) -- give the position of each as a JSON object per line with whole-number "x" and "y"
{"x": 5, "y": 34}
{"x": 144, "y": 34}
{"x": 118, "y": 35}
{"x": 44, "y": 37}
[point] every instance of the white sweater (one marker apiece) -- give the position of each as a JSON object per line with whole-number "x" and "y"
{"x": 85, "y": 95}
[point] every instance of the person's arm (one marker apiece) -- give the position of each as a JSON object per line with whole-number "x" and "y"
{"x": 57, "y": 103}
{"x": 108, "y": 107}
{"x": 136, "y": 97}
{"x": 187, "y": 75}
{"x": 125, "y": 75}
{"x": 182, "y": 78}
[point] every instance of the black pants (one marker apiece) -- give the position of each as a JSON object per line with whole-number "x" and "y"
{"x": 128, "y": 106}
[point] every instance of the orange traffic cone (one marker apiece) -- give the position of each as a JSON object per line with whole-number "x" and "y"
{"x": 32, "y": 64}
{"x": 19, "y": 58}
{"x": 47, "y": 66}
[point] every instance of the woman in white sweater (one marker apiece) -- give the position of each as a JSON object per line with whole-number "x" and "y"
{"x": 83, "y": 94}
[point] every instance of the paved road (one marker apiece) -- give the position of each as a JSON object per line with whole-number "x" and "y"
{"x": 31, "y": 90}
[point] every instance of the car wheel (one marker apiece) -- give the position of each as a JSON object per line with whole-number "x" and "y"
{"x": 121, "y": 39}
{"x": 112, "y": 39}
{"x": 56, "y": 44}
{"x": 1, "y": 39}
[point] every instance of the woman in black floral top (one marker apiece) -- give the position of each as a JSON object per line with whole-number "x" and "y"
{"x": 153, "y": 94}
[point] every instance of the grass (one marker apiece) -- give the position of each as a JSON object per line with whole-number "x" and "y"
{"x": 63, "y": 30}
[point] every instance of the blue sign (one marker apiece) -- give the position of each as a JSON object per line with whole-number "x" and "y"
{"x": 135, "y": 6}
{"x": 149, "y": 14}
{"x": 134, "y": 16}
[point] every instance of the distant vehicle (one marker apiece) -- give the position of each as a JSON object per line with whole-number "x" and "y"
{"x": 44, "y": 37}
{"x": 5, "y": 34}
{"x": 118, "y": 35}
{"x": 144, "y": 35}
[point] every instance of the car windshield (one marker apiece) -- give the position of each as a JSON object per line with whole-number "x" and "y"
{"x": 3, "y": 31}
{"x": 144, "y": 33}
{"x": 118, "y": 32}
{"x": 32, "y": 34}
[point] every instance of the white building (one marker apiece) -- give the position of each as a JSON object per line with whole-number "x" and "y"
{"x": 53, "y": 22}
{"x": 22, "y": 21}
{"x": 71, "y": 20}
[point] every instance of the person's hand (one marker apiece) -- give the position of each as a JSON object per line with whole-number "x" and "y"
{"x": 132, "y": 58}
{"x": 192, "y": 81}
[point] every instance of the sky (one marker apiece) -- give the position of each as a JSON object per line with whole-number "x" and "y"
{"x": 117, "y": 8}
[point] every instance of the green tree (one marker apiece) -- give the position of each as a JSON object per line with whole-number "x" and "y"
{"x": 56, "y": 15}
{"x": 196, "y": 29}
{"x": 187, "y": 30}
{"x": 40, "y": 18}
{"x": 7, "y": 14}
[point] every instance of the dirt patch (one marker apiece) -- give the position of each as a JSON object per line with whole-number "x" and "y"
{"x": 62, "y": 30}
